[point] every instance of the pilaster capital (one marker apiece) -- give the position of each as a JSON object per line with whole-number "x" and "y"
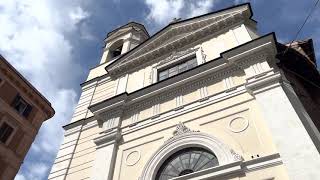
{"x": 105, "y": 138}
{"x": 262, "y": 82}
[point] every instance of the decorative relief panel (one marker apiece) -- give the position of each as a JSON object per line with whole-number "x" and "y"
{"x": 133, "y": 158}
{"x": 182, "y": 129}
{"x": 238, "y": 124}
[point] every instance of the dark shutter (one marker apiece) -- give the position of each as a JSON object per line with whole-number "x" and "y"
{"x": 5, "y": 132}
{"x": 27, "y": 111}
{"x": 16, "y": 100}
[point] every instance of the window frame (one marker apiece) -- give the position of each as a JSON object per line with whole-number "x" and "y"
{"x": 7, "y": 121}
{"x": 178, "y": 155}
{"x": 27, "y": 109}
{"x": 196, "y": 51}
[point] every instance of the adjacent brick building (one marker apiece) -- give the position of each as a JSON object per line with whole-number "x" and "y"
{"x": 22, "y": 111}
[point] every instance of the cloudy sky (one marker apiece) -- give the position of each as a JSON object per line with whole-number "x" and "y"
{"x": 53, "y": 43}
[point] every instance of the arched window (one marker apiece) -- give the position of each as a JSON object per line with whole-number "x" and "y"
{"x": 186, "y": 161}
{"x": 195, "y": 149}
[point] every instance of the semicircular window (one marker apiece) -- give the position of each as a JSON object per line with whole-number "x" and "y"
{"x": 186, "y": 161}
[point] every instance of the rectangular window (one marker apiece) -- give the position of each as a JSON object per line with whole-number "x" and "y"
{"x": 5, "y": 132}
{"x": 177, "y": 68}
{"x": 21, "y": 106}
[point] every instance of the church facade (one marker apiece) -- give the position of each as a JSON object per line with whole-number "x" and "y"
{"x": 203, "y": 98}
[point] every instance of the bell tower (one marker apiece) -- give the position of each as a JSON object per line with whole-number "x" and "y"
{"x": 122, "y": 40}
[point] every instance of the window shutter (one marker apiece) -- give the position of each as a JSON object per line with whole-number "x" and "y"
{"x": 16, "y": 100}
{"x": 27, "y": 111}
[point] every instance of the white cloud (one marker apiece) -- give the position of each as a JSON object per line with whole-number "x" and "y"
{"x": 34, "y": 39}
{"x": 162, "y": 12}
{"x": 20, "y": 177}
{"x": 37, "y": 172}
{"x": 78, "y": 14}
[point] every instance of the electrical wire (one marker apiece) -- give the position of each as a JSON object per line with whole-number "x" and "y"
{"x": 305, "y": 21}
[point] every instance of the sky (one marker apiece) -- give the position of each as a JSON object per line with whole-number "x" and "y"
{"x": 54, "y": 43}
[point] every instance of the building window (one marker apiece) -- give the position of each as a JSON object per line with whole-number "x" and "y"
{"x": 186, "y": 161}
{"x": 5, "y": 132}
{"x": 178, "y": 68}
{"x": 21, "y": 106}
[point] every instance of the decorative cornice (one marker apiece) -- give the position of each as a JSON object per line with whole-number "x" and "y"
{"x": 175, "y": 55}
{"x": 26, "y": 88}
{"x": 191, "y": 79}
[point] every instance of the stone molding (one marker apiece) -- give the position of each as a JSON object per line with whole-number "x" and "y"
{"x": 175, "y": 56}
{"x": 187, "y": 108}
{"x": 257, "y": 84}
{"x": 234, "y": 165}
{"x": 193, "y": 79}
{"x": 185, "y": 140}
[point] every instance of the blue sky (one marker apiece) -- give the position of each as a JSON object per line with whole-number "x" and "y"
{"x": 54, "y": 43}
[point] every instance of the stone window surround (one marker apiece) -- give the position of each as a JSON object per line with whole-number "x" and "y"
{"x": 231, "y": 164}
{"x": 5, "y": 119}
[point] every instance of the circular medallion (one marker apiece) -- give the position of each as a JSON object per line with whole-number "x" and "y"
{"x": 238, "y": 124}
{"x": 132, "y": 158}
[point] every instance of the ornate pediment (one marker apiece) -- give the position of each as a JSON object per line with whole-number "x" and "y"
{"x": 177, "y": 35}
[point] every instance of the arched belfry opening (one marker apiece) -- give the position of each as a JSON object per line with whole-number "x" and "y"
{"x": 123, "y": 39}
{"x": 115, "y": 49}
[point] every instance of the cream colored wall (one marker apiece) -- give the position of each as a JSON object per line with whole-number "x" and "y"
{"x": 97, "y": 71}
{"x": 91, "y": 94}
{"x": 79, "y": 147}
{"x": 84, "y": 155}
{"x": 214, "y": 120}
